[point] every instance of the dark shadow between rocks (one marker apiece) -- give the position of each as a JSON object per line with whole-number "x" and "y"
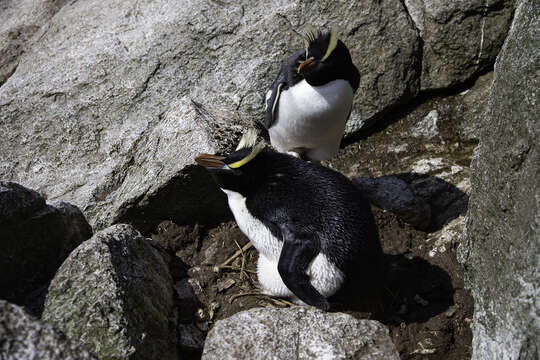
{"x": 190, "y": 337}
{"x": 412, "y": 290}
{"x": 188, "y": 198}
{"x": 169, "y": 239}
{"x": 426, "y": 202}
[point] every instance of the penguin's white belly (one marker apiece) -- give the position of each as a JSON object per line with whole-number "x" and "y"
{"x": 324, "y": 275}
{"x": 312, "y": 116}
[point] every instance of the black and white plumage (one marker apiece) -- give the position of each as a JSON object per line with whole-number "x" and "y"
{"x": 310, "y": 100}
{"x": 310, "y": 224}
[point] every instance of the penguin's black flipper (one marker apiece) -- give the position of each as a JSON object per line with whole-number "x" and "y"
{"x": 286, "y": 77}
{"x": 296, "y": 255}
{"x": 273, "y": 101}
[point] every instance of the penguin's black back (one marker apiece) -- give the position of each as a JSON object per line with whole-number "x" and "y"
{"x": 312, "y": 199}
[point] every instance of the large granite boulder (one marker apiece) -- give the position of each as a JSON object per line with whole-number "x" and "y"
{"x": 502, "y": 241}
{"x": 460, "y": 38}
{"x": 23, "y": 337}
{"x": 102, "y": 94}
{"x": 114, "y": 295}
{"x": 35, "y": 238}
{"x": 297, "y": 333}
{"x": 19, "y": 21}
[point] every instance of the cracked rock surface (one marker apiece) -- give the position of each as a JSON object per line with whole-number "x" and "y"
{"x": 502, "y": 241}
{"x": 114, "y": 295}
{"x": 460, "y": 38}
{"x": 23, "y": 337}
{"x": 297, "y": 333}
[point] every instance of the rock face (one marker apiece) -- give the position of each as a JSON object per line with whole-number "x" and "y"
{"x": 460, "y": 38}
{"x": 502, "y": 241}
{"x": 297, "y": 333}
{"x": 101, "y": 95}
{"x": 35, "y": 240}
{"x": 24, "y": 338}
{"x": 114, "y": 295}
{"x": 19, "y": 21}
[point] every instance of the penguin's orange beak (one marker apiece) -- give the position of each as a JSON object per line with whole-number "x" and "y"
{"x": 307, "y": 66}
{"x": 210, "y": 161}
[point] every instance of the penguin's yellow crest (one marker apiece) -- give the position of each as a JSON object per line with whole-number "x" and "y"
{"x": 310, "y": 34}
{"x": 249, "y": 139}
{"x": 331, "y": 44}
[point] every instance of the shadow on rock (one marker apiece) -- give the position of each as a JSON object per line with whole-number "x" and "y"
{"x": 413, "y": 290}
{"x": 190, "y": 197}
{"x": 426, "y": 202}
{"x": 35, "y": 238}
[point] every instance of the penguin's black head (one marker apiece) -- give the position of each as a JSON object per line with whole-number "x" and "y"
{"x": 326, "y": 59}
{"x": 238, "y": 171}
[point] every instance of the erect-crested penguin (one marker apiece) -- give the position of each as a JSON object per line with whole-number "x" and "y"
{"x": 310, "y": 224}
{"x": 310, "y": 100}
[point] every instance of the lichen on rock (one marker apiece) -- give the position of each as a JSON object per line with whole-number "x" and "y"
{"x": 297, "y": 333}
{"x": 114, "y": 295}
{"x": 22, "y": 337}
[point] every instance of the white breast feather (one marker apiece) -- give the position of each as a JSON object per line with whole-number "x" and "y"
{"x": 261, "y": 237}
{"x": 312, "y": 116}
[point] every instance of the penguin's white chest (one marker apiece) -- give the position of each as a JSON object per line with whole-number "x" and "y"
{"x": 312, "y": 116}
{"x": 261, "y": 237}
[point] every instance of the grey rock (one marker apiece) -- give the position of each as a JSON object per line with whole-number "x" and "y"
{"x": 101, "y": 96}
{"x": 426, "y": 202}
{"x": 446, "y": 200}
{"x": 23, "y": 337}
{"x": 448, "y": 237}
{"x": 460, "y": 38}
{"x": 35, "y": 239}
{"x": 415, "y": 8}
{"x": 114, "y": 294}
{"x": 190, "y": 338}
{"x": 428, "y": 126}
{"x": 19, "y": 21}
{"x": 297, "y": 333}
{"x": 18, "y": 203}
{"x": 502, "y": 240}
{"x": 394, "y": 194}
{"x": 468, "y": 116}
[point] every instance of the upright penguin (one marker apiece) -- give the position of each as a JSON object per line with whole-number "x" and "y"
{"x": 310, "y": 224}
{"x": 310, "y": 100}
